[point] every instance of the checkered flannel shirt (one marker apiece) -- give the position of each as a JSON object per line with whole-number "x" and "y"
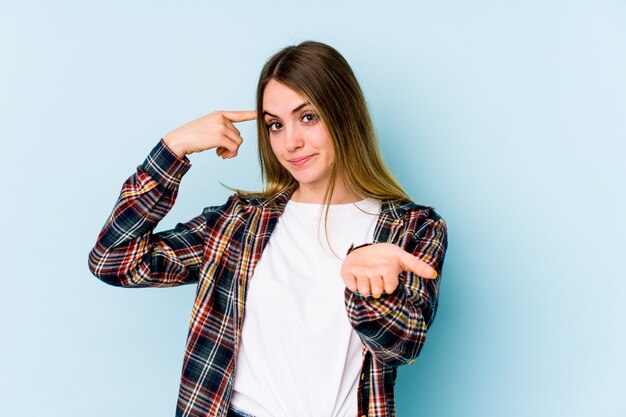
{"x": 217, "y": 251}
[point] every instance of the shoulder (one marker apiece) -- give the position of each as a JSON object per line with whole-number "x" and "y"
{"x": 418, "y": 221}
{"x": 239, "y": 205}
{"x": 233, "y": 205}
{"x": 410, "y": 211}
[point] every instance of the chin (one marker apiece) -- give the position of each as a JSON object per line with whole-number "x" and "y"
{"x": 303, "y": 178}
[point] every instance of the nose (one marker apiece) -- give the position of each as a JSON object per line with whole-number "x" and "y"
{"x": 293, "y": 138}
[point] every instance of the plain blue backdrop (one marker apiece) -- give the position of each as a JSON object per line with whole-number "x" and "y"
{"x": 507, "y": 116}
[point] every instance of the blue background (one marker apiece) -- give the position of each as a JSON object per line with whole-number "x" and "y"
{"x": 507, "y": 117}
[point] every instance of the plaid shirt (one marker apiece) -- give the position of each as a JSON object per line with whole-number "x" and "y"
{"x": 218, "y": 250}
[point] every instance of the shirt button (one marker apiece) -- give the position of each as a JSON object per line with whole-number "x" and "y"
{"x": 179, "y": 176}
{"x": 363, "y": 376}
{"x": 411, "y": 361}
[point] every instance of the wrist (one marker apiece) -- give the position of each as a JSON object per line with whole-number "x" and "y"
{"x": 175, "y": 146}
{"x": 352, "y": 247}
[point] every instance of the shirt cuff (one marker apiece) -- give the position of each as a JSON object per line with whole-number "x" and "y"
{"x": 164, "y": 166}
{"x": 363, "y": 309}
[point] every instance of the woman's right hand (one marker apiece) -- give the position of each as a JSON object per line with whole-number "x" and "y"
{"x": 214, "y": 130}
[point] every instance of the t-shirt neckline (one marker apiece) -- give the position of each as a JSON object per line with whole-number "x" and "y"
{"x": 368, "y": 205}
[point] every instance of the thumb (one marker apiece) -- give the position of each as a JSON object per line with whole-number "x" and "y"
{"x": 419, "y": 267}
{"x": 240, "y": 116}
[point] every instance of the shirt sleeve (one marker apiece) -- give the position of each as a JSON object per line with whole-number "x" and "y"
{"x": 393, "y": 327}
{"x": 127, "y": 253}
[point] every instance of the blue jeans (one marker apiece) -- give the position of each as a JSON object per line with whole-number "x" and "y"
{"x": 233, "y": 412}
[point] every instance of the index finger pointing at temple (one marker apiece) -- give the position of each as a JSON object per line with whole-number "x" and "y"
{"x": 240, "y": 116}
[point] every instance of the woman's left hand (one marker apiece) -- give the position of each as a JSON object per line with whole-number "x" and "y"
{"x": 376, "y": 268}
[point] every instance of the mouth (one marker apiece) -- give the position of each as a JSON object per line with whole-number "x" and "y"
{"x": 300, "y": 161}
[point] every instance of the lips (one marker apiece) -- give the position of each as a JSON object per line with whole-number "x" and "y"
{"x": 300, "y": 161}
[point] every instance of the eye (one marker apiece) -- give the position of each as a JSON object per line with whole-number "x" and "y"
{"x": 312, "y": 117}
{"x": 269, "y": 126}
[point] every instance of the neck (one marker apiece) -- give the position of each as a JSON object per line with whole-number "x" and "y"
{"x": 315, "y": 195}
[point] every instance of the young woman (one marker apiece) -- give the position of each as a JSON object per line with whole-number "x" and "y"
{"x": 311, "y": 292}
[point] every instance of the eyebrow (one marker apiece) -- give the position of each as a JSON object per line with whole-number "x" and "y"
{"x": 292, "y": 112}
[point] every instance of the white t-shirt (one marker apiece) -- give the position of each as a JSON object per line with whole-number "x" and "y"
{"x": 299, "y": 355}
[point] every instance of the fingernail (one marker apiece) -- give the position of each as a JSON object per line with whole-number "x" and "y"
{"x": 376, "y": 296}
{"x": 435, "y": 274}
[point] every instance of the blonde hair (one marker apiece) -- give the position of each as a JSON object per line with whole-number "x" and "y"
{"x": 323, "y": 77}
{"x": 320, "y": 74}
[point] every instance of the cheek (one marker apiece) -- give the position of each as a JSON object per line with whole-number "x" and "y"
{"x": 321, "y": 139}
{"x": 276, "y": 148}
{"x": 328, "y": 147}
{"x": 272, "y": 145}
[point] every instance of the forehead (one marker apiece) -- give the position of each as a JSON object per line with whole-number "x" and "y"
{"x": 280, "y": 99}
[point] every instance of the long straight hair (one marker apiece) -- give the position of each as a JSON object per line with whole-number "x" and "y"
{"x": 321, "y": 75}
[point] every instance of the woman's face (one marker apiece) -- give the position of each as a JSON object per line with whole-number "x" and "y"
{"x": 298, "y": 137}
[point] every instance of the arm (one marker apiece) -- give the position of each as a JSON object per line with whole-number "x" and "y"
{"x": 394, "y": 326}
{"x": 127, "y": 253}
